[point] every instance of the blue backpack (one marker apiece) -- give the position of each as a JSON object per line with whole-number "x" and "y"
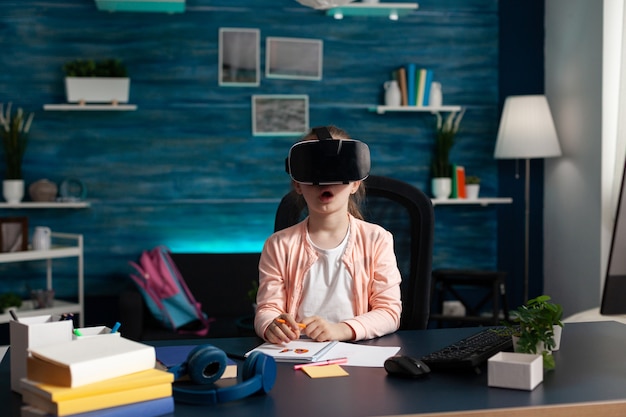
{"x": 166, "y": 294}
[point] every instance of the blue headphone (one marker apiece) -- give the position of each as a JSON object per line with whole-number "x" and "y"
{"x": 205, "y": 364}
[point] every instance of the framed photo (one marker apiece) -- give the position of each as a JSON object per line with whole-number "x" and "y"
{"x": 239, "y": 57}
{"x": 280, "y": 115}
{"x": 13, "y": 234}
{"x": 293, "y": 58}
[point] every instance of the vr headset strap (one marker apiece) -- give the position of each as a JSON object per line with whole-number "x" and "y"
{"x": 322, "y": 133}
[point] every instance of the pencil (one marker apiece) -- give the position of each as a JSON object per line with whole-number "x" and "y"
{"x": 300, "y": 325}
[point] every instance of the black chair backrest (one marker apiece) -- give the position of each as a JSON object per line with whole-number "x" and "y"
{"x": 408, "y": 214}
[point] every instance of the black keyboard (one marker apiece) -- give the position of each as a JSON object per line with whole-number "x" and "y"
{"x": 471, "y": 352}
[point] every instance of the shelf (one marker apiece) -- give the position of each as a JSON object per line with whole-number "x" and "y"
{"x": 431, "y": 109}
{"x": 391, "y": 10}
{"x": 464, "y": 201}
{"x": 27, "y": 310}
{"x": 163, "y": 6}
{"x": 46, "y": 204}
{"x": 36, "y": 255}
{"x": 89, "y": 107}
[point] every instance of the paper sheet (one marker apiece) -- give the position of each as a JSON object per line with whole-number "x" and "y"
{"x": 325, "y": 371}
{"x": 362, "y": 355}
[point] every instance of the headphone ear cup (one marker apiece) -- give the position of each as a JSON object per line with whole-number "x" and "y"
{"x": 206, "y": 364}
{"x": 260, "y": 364}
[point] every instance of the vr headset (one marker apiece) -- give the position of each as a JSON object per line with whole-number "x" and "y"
{"x": 327, "y": 160}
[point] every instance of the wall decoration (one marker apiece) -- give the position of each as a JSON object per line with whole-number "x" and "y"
{"x": 293, "y": 58}
{"x": 13, "y": 234}
{"x": 239, "y": 57}
{"x": 280, "y": 115}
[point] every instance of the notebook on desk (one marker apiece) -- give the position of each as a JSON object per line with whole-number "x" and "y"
{"x": 303, "y": 350}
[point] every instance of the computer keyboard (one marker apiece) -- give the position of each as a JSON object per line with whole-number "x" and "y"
{"x": 472, "y": 351}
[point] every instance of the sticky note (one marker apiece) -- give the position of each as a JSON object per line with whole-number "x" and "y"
{"x": 326, "y": 371}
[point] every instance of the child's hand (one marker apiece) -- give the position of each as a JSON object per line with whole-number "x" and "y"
{"x": 321, "y": 330}
{"x": 282, "y": 330}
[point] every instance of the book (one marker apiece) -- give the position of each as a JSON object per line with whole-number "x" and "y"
{"x": 150, "y": 408}
{"x": 421, "y": 86}
{"x": 169, "y": 356}
{"x": 88, "y": 360}
{"x": 302, "y": 350}
{"x": 135, "y": 380}
{"x": 401, "y": 78}
{"x": 96, "y": 402}
{"x": 411, "y": 71}
{"x": 427, "y": 85}
{"x": 458, "y": 182}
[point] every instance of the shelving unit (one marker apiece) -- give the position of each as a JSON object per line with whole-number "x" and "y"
{"x": 89, "y": 107}
{"x": 484, "y": 201}
{"x": 391, "y": 10}
{"x": 46, "y": 205}
{"x": 429, "y": 109}
{"x": 64, "y": 245}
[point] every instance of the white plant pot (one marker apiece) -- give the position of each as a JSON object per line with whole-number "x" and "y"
{"x": 97, "y": 89}
{"x": 471, "y": 191}
{"x": 441, "y": 188}
{"x": 13, "y": 191}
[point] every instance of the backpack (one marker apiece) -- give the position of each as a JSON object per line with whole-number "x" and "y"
{"x": 166, "y": 294}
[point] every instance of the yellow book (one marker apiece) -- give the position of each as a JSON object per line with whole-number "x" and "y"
{"x": 98, "y": 401}
{"x": 58, "y": 393}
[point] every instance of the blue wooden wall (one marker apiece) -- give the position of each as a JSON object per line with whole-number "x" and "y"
{"x": 184, "y": 170}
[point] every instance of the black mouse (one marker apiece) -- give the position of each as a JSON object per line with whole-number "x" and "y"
{"x": 406, "y": 366}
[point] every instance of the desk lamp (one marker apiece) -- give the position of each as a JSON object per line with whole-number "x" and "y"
{"x": 526, "y": 131}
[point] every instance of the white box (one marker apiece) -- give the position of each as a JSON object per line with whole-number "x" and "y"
{"x": 31, "y": 332}
{"x": 515, "y": 370}
{"x": 94, "y": 331}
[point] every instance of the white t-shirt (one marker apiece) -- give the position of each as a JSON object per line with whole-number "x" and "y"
{"x": 327, "y": 286}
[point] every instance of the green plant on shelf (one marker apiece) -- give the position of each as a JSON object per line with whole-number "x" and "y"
{"x": 91, "y": 68}
{"x": 10, "y": 299}
{"x": 15, "y": 129}
{"x": 445, "y": 133}
{"x": 472, "y": 179}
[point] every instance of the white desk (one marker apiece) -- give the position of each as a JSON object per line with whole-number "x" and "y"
{"x": 594, "y": 315}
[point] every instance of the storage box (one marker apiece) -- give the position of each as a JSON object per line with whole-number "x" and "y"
{"x": 31, "y": 332}
{"x": 515, "y": 370}
{"x": 94, "y": 331}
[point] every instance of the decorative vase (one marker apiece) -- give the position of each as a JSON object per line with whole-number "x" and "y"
{"x": 472, "y": 191}
{"x": 435, "y": 99}
{"x": 441, "y": 188}
{"x": 392, "y": 93}
{"x": 13, "y": 191}
{"x": 43, "y": 190}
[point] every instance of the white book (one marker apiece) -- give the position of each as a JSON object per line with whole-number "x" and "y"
{"x": 301, "y": 350}
{"x": 88, "y": 360}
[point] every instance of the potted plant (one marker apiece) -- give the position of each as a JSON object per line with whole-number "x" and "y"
{"x": 472, "y": 187}
{"x": 15, "y": 129}
{"x": 8, "y": 300}
{"x": 536, "y": 322}
{"x": 441, "y": 168}
{"x": 89, "y": 81}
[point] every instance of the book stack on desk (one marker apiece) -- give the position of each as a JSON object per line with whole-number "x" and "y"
{"x": 96, "y": 377}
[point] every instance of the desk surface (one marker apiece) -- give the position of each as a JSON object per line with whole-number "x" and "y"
{"x": 590, "y": 373}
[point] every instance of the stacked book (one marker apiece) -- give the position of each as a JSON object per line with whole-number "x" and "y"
{"x": 101, "y": 376}
{"x": 414, "y": 83}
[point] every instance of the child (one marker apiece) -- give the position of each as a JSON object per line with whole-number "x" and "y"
{"x": 332, "y": 276}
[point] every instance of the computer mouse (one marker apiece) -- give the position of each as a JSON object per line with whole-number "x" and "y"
{"x": 406, "y": 366}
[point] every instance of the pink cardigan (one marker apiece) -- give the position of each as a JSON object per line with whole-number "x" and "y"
{"x": 369, "y": 258}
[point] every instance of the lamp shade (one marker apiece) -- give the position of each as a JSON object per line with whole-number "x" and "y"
{"x": 526, "y": 129}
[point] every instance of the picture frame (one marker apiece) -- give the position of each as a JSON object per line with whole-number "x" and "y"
{"x": 293, "y": 58}
{"x": 13, "y": 234}
{"x": 280, "y": 114}
{"x": 239, "y": 57}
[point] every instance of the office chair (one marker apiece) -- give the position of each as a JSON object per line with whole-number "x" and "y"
{"x": 408, "y": 214}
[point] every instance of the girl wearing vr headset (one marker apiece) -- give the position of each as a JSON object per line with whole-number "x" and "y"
{"x": 332, "y": 276}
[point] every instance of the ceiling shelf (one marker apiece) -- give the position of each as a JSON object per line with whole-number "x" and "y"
{"x": 45, "y": 204}
{"x": 90, "y": 107}
{"x": 391, "y": 10}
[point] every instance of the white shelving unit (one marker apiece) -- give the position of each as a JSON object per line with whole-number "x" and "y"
{"x": 90, "y": 107}
{"x": 408, "y": 109}
{"x": 46, "y": 204}
{"x": 483, "y": 201}
{"x": 64, "y": 245}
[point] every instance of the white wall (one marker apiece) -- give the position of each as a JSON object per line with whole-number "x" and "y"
{"x": 573, "y": 226}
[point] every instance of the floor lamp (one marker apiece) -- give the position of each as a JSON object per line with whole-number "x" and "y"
{"x": 526, "y": 131}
